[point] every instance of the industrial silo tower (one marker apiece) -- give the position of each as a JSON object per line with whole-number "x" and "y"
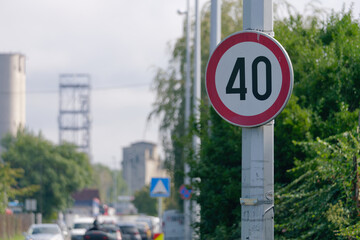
{"x": 74, "y": 111}
{"x": 12, "y": 92}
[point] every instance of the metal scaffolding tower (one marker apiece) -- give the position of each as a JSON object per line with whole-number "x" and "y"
{"x": 74, "y": 110}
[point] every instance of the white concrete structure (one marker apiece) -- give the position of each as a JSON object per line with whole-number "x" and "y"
{"x": 257, "y": 180}
{"x": 12, "y": 92}
{"x": 141, "y": 162}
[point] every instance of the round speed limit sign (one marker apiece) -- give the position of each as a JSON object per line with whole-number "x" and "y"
{"x": 249, "y": 78}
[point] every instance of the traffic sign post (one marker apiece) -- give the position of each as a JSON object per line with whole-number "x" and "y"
{"x": 249, "y": 80}
{"x": 160, "y": 187}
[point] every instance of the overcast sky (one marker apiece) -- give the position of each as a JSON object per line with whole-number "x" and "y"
{"x": 119, "y": 43}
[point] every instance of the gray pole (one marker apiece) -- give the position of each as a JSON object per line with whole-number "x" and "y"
{"x": 257, "y": 191}
{"x": 187, "y": 212}
{"x": 215, "y": 24}
{"x": 197, "y": 63}
{"x": 215, "y": 32}
{"x": 115, "y": 183}
{"x": 160, "y": 208}
{"x": 197, "y": 97}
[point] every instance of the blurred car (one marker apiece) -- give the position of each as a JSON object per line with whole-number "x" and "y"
{"x": 44, "y": 232}
{"x": 80, "y": 226}
{"x": 144, "y": 230}
{"x": 153, "y": 223}
{"x": 105, "y": 232}
{"x": 129, "y": 231}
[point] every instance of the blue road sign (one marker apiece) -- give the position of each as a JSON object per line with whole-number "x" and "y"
{"x": 160, "y": 187}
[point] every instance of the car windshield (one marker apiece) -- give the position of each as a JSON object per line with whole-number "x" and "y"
{"x": 82, "y": 225}
{"x": 44, "y": 230}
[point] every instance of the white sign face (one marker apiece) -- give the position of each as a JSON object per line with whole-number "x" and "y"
{"x": 249, "y": 78}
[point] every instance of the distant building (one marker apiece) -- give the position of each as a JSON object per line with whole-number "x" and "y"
{"x": 12, "y": 92}
{"x": 86, "y": 202}
{"x": 141, "y": 162}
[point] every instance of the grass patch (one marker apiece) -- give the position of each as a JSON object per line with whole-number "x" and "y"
{"x": 16, "y": 237}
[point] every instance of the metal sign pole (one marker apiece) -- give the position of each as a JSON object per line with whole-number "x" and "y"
{"x": 160, "y": 208}
{"x": 187, "y": 181}
{"x": 257, "y": 190}
{"x": 215, "y": 24}
{"x": 257, "y": 221}
{"x": 196, "y": 102}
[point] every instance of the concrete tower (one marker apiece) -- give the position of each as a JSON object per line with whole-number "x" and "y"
{"x": 12, "y": 92}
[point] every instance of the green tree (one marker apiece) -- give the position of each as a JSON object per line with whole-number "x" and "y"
{"x": 59, "y": 171}
{"x": 9, "y": 186}
{"x": 121, "y": 186}
{"x": 293, "y": 124}
{"x": 169, "y": 105}
{"x": 169, "y": 87}
{"x": 103, "y": 179}
{"x": 220, "y": 185}
{"x": 326, "y": 62}
{"x": 219, "y": 167}
{"x": 315, "y": 199}
{"x": 144, "y": 203}
{"x": 320, "y": 203}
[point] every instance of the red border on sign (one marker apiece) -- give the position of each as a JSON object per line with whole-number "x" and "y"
{"x": 286, "y": 87}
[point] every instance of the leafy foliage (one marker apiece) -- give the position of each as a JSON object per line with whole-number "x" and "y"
{"x": 293, "y": 124}
{"x": 103, "y": 179}
{"x": 8, "y": 185}
{"x": 320, "y": 201}
{"x": 169, "y": 87}
{"x": 315, "y": 199}
{"x": 169, "y": 105}
{"x": 144, "y": 203}
{"x": 59, "y": 171}
{"x": 324, "y": 58}
{"x": 220, "y": 185}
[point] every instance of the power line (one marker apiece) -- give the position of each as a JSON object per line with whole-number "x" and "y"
{"x": 96, "y": 89}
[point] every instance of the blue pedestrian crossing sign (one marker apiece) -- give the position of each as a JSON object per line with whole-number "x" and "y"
{"x": 160, "y": 187}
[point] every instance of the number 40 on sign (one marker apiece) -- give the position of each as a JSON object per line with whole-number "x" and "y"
{"x": 249, "y": 78}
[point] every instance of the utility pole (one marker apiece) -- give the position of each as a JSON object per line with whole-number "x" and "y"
{"x": 187, "y": 210}
{"x": 115, "y": 183}
{"x": 257, "y": 215}
{"x": 215, "y": 32}
{"x": 197, "y": 98}
{"x": 215, "y": 24}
